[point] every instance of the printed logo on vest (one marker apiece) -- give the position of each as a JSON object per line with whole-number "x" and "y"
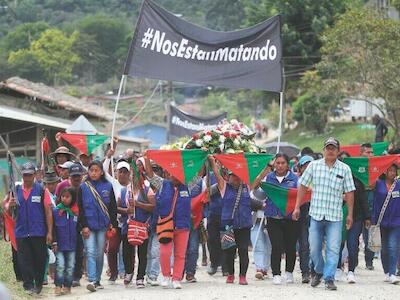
{"x": 105, "y": 193}
{"x": 184, "y": 193}
{"x": 395, "y": 194}
{"x": 75, "y": 218}
{"x": 36, "y": 199}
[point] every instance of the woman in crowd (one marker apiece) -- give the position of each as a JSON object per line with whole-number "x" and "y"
{"x": 97, "y": 214}
{"x": 390, "y": 223}
{"x": 236, "y": 214}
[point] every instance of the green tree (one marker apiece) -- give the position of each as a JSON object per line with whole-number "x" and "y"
{"x": 361, "y": 58}
{"x": 53, "y": 51}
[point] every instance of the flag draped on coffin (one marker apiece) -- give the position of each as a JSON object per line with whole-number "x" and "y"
{"x": 354, "y": 150}
{"x": 247, "y": 166}
{"x": 182, "y": 164}
{"x": 368, "y": 169}
{"x": 84, "y": 143}
{"x": 283, "y": 198}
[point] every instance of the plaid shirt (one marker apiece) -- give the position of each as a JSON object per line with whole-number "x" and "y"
{"x": 328, "y": 186}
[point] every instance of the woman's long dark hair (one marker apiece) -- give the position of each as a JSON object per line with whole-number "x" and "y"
{"x": 285, "y": 157}
{"x": 73, "y": 194}
{"x": 100, "y": 165}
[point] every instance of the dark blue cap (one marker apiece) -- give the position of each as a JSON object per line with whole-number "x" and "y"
{"x": 75, "y": 169}
{"x": 28, "y": 168}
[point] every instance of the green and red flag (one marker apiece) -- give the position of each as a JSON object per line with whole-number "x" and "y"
{"x": 368, "y": 169}
{"x": 84, "y": 143}
{"x": 9, "y": 228}
{"x": 247, "y": 166}
{"x": 182, "y": 164}
{"x": 355, "y": 150}
{"x": 197, "y": 206}
{"x": 283, "y": 198}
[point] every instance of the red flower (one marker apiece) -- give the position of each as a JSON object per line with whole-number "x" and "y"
{"x": 226, "y": 134}
{"x": 233, "y": 135}
{"x": 208, "y": 133}
{"x": 195, "y": 136}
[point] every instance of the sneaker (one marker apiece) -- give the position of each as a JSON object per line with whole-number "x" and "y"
{"x": 190, "y": 278}
{"x": 57, "y": 291}
{"x": 152, "y": 282}
{"x": 204, "y": 262}
{"x": 316, "y": 280}
{"x": 128, "y": 279}
{"x": 66, "y": 291}
{"x": 165, "y": 282}
{"x": 112, "y": 280}
{"x": 265, "y": 274}
{"x": 330, "y": 285}
{"x": 76, "y": 283}
{"x": 91, "y": 286}
{"x": 30, "y": 292}
{"x": 176, "y": 284}
{"x": 289, "y": 277}
{"x": 140, "y": 284}
{"x": 259, "y": 275}
{"x": 230, "y": 279}
{"x": 338, "y": 274}
{"x": 387, "y": 278}
{"x": 277, "y": 280}
{"x": 305, "y": 278}
{"x": 121, "y": 275}
{"x": 369, "y": 267}
{"x": 242, "y": 280}
{"x": 212, "y": 270}
{"x": 98, "y": 285}
{"x": 350, "y": 277}
{"x": 393, "y": 279}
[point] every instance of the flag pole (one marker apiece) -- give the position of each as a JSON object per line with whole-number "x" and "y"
{"x": 121, "y": 85}
{"x": 280, "y": 121}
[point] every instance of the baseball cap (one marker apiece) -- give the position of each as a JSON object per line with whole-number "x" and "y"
{"x": 75, "y": 169}
{"x": 305, "y": 159}
{"x": 123, "y": 164}
{"x": 66, "y": 165}
{"x": 332, "y": 141}
{"x": 28, "y": 168}
{"x": 50, "y": 177}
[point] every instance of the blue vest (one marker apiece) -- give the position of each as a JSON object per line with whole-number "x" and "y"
{"x": 66, "y": 230}
{"x": 141, "y": 215}
{"x": 242, "y": 217}
{"x": 182, "y": 213}
{"x": 95, "y": 217}
{"x": 31, "y": 220}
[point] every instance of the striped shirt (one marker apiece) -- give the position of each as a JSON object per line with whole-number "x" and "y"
{"x": 328, "y": 186}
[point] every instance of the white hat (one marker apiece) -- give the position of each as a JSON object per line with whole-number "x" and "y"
{"x": 66, "y": 165}
{"x": 123, "y": 164}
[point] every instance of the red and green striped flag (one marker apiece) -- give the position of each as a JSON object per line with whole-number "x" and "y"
{"x": 247, "y": 166}
{"x": 283, "y": 198}
{"x": 354, "y": 150}
{"x": 368, "y": 169}
{"x": 197, "y": 206}
{"x": 84, "y": 143}
{"x": 182, "y": 164}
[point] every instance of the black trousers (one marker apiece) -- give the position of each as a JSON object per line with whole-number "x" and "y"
{"x": 214, "y": 242}
{"x": 128, "y": 254}
{"x": 283, "y": 234}
{"x": 78, "y": 269}
{"x": 242, "y": 239}
{"x": 32, "y": 256}
{"x": 16, "y": 267}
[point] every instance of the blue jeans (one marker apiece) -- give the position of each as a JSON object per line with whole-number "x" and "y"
{"x": 261, "y": 248}
{"x": 331, "y": 233}
{"x": 390, "y": 249}
{"x": 65, "y": 262}
{"x": 121, "y": 267}
{"x": 192, "y": 252}
{"x": 353, "y": 242}
{"x": 153, "y": 257}
{"x": 94, "y": 247}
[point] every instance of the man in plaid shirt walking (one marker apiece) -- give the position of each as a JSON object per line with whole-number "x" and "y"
{"x": 329, "y": 179}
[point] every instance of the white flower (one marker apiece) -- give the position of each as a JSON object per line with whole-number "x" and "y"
{"x": 199, "y": 142}
{"x": 230, "y": 150}
{"x": 236, "y": 142}
{"x": 207, "y": 138}
{"x": 221, "y": 147}
{"x": 222, "y": 138}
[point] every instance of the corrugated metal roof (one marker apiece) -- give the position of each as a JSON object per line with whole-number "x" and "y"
{"x": 26, "y": 116}
{"x": 52, "y": 95}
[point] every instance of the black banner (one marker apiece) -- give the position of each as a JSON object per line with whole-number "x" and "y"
{"x": 169, "y": 48}
{"x": 182, "y": 124}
